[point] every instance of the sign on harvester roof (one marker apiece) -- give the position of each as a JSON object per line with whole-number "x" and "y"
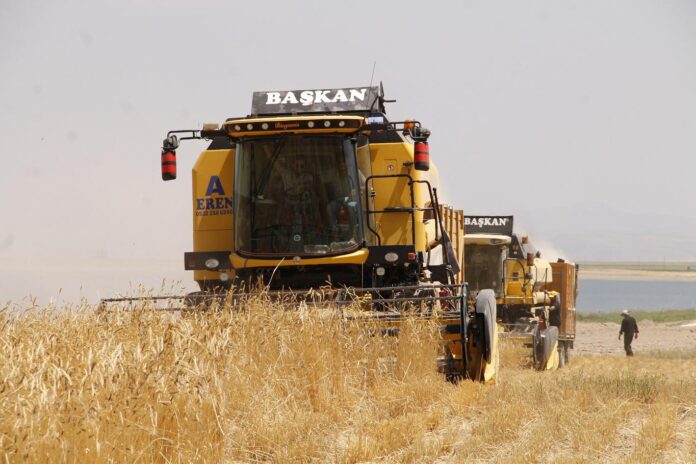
{"x": 498, "y": 225}
{"x": 315, "y": 100}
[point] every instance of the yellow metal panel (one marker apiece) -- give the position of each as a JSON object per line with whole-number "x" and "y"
{"x": 365, "y": 170}
{"x": 513, "y": 286}
{"x": 357, "y": 257}
{"x": 213, "y": 186}
{"x": 394, "y": 228}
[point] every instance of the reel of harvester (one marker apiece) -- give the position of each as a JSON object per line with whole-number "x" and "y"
{"x": 215, "y": 301}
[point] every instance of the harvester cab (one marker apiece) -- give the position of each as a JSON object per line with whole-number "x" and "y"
{"x": 313, "y": 188}
{"x": 317, "y": 189}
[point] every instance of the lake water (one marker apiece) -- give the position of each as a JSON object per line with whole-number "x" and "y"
{"x": 599, "y": 295}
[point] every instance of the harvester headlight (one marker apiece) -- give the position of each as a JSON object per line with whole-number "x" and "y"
{"x": 327, "y": 123}
{"x": 310, "y": 124}
{"x": 224, "y": 277}
{"x": 380, "y": 271}
{"x": 341, "y": 123}
{"x": 250, "y": 126}
{"x": 237, "y": 127}
{"x": 264, "y": 126}
{"x": 391, "y": 257}
{"x": 211, "y": 263}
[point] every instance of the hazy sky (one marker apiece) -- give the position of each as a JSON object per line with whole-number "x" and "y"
{"x": 578, "y": 117}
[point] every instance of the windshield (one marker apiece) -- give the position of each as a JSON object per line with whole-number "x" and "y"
{"x": 483, "y": 267}
{"x": 297, "y": 195}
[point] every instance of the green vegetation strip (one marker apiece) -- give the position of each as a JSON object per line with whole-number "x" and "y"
{"x": 672, "y": 315}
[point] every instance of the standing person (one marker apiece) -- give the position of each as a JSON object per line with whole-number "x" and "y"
{"x": 629, "y": 329}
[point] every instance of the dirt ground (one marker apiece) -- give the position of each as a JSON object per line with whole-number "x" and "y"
{"x": 601, "y": 338}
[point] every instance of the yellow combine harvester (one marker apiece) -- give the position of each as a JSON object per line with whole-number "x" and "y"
{"x": 535, "y": 298}
{"x": 318, "y": 190}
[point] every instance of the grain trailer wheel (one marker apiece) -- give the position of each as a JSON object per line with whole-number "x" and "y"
{"x": 546, "y": 351}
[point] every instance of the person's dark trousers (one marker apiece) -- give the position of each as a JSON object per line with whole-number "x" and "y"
{"x": 628, "y": 339}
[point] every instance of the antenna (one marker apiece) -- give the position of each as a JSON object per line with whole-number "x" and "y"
{"x": 374, "y": 65}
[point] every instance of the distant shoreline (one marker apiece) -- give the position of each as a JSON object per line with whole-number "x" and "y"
{"x": 657, "y": 316}
{"x": 668, "y": 271}
{"x": 631, "y": 274}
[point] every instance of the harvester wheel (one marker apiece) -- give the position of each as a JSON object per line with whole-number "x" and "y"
{"x": 482, "y": 340}
{"x": 546, "y": 348}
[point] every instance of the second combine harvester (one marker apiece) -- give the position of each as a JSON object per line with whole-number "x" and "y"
{"x": 318, "y": 189}
{"x": 535, "y": 298}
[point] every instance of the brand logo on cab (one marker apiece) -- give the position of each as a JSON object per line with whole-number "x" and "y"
{"x": 215, "y": 202}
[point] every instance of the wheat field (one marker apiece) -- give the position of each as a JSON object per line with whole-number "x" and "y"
{"x": 263, "y": 384}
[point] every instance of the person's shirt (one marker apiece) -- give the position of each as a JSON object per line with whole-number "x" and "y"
{"x": 629, "y": 325}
